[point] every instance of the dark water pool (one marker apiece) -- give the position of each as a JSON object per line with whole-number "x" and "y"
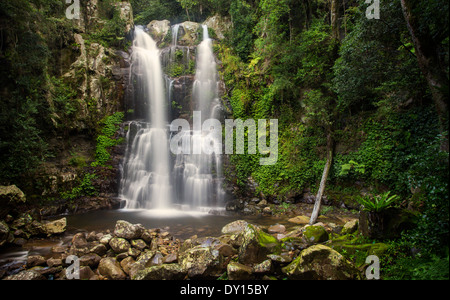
{"x": 181, "y": 224}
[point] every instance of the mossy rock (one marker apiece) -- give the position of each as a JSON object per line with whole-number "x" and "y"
{"x": 257, "y": 245}
{"x": 315, "y": 234}
{"x": 320, "y": 262}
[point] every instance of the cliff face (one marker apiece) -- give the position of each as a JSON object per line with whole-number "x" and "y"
{"x": 54, "y": 99}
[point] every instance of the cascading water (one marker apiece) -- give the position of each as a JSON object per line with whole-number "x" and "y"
{"x": 146, "y": 173}
{"x": 199, "y": 176}
{"x": 148, "y": 180}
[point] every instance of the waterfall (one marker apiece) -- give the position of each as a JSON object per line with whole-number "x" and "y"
{"x": 146, "y": 174}
{"x": 200, "y": 175}
{"x": 153, "y": 178}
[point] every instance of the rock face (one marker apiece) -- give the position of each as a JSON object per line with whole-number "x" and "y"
{"x": 159, "y": 29}
{"x": 320, "y": 262}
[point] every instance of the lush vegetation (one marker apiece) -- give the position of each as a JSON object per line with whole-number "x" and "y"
{"x": 374, "y": 93}
{"x": 358, "y": 81}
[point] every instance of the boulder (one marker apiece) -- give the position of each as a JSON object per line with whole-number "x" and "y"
{"x": 162, "y": 272}
{"x": 79, "y": 240}
{"x": 301, "y": 220}
{"x": 91, "y": 260}
{"x": 315, "y": 234}
{"x": 235, "y": 227}
{"x": 320, "y": 262}
{"x": 237, "y": 271}
{"x": 128, "y": 231}
{"x": 10, "y": 198}
{"x": 257, "y": 245}
{"x": 221, "y": 25}
{"x": 277, "y": 229}
{"x": 26, "y": 275}
{"x": 110, "y": 268}
{"x": 158, "y": 29}
{"x": 188, "y": 34}
{"x": 119, "y": 245}
{"x": 54, "y": 227}
{"x": 11, "y": 195}
{"x": 35, "y": 260}
{"x": 202, "y": 262}
{"x": 350, "y": 227}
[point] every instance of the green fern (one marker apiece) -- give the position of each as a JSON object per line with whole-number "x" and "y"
{"x": 377, "y": 203}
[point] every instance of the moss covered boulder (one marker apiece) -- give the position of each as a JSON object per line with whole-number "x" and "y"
{"x": 320, "y": 262}
{"x": 315, "y": 234}
{"x": 257, "y": 245}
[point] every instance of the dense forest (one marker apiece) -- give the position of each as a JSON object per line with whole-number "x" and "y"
{"x": 361, "y": 100}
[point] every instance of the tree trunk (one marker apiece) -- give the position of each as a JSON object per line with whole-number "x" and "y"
{"x": 187, "y": 13}
{"x": 335, "y": 18}
{"x": 427, "y": 52}
{"x": 326, "y": 171}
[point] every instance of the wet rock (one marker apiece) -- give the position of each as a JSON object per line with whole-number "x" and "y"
{"x": 11, "y": 195}
{"x": 315, "y": 234}
{"x": 119, "y": 245}
{"x": 139, "y": 244}
{"x": 35, "y": 260}
{"x": 98, "y": 249}
{"x": 201, "y": 262}
{"x": 126, "y": 264}
{"x": 301, "y": 220}
{"x": 54, "y": 262}
{"x": 162, "y": 272}
{"x": 235, "y": 227}
{"x": 257, "y": 245}
{"x": 26, "y": 275}
{"x": 86, "y": 273}
{"x": 79, "y": 240}
{"x": 263, "y": 268}
{"x": 111, "y": 269}
{"x": 277, "y": 229}
{"x": 54, "y": 227}
{"x": 237, "y": 271}
{"x": 128, "y": 231}
{"x": 158, "y": 29}
{"x": 171, "y": 258}
{"x": 105, "y": 239}
{"x": 320, "y": 262}
{"x": 350, "y": 227}
{"x": 92, "y": 260}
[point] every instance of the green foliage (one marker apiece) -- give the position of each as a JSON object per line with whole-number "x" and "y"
{"x": 106, "y": 139}
{"x": 378, "y": 203}
{"x": 242, "y": 37}
{"x": 111, "y": 34}
{"x": 352, "y": 166}
{"x": 84, "y": 188}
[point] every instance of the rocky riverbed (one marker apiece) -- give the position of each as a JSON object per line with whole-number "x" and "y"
{"x": 243, "y": 251}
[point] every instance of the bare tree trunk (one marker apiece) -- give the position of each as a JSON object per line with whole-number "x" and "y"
{"x": 335, "y": 18}
{"x": 427, "y": 52}
{"x": 326, "y": 171}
